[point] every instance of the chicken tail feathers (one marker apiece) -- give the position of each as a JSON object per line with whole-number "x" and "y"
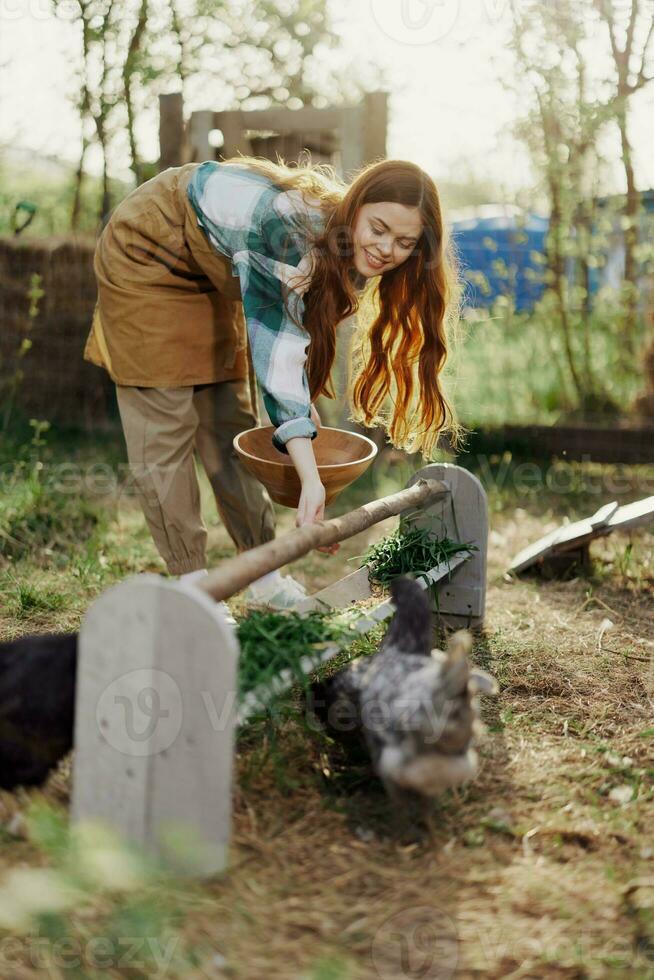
{"x": 411, "y": 626}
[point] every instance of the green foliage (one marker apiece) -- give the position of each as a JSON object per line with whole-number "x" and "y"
{"x": 330, "y": 969}
{"x": 98, "y": 897}
{"x": 12, "y": 373}
{"x": 273, "y": 643}
{"x": 253, "y": 55}
{"x": 37, "y": 515}
{"x": 52, "y": 194}
{"x": 513, "y": 366}
{"x": 563, "y": 124}
{"x": 290, "y": 645}
{"x": 37, "y": 518}
{"x": 29, "y": 600}
{"x": 409, "y": 551}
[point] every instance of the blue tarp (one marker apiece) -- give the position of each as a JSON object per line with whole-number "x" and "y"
{"x": 516, "y": 243}
{"x": 483, "y": 242}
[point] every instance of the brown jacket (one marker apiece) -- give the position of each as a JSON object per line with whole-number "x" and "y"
{"x": 169, "y": 311}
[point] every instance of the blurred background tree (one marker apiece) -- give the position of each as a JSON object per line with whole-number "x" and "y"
{"x": 629, "y": 27}
{"x": 223, "y": 54}
{"x": 592, "y": 335}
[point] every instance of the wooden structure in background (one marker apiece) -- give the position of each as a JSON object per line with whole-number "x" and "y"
{"x": 345, "y": 136}
{"x": 173, "y": 151}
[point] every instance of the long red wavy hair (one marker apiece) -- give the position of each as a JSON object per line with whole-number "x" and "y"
{"x": 400, "y": 340}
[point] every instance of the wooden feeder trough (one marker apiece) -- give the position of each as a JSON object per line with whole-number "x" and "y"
{"x": 341, "y": 457}
{"x": 157, "y": 705}
{"x": 568, "y": 546}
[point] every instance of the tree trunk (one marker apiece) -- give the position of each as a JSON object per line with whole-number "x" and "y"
{"x": 631, "y": 234}
{"x": 79, "y": 179}
{"x": 128, "y": 78}
{"x": 583, "y": 224}
{"x": 105, "y": 202}
{"x": 556, "y": 262}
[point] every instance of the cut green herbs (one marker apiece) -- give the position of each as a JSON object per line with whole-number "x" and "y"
{"x": 273, "y": 642}
{"x": 409, "y": 551}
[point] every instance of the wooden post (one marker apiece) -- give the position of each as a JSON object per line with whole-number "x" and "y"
{"x": 462, "y": 515}
{"x": 154, "y": 720}
{"x": 231, "y": 125}
{"x": 351, "y": 140}
{"x": 200, "y": 125}
{"x": 375, "y": 125}
{"x": 171, "y": 130}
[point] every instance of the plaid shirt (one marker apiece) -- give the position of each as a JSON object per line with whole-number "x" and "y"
{"x": 266, "y": 233}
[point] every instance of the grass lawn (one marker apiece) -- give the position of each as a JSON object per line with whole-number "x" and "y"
{"x": 543, "y": 867}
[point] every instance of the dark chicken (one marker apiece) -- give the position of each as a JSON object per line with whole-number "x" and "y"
{"x": 37, "y": 706}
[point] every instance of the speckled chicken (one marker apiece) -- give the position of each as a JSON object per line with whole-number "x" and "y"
{"x": 415, "y": 707}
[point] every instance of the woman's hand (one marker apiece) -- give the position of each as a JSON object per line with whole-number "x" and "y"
{"x": 312, "y": 502}
{"x": 311, "y": 507}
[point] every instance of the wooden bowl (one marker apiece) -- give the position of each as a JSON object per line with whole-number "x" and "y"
{"x": 341, "y": 457}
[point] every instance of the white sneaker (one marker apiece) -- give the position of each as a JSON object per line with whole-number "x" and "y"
{"x": 190, "y": 579}
{"x": 276, "y": 591}
{"x": 227, "y": 613}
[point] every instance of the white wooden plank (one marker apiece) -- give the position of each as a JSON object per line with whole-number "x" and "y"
{"x": 569, "y": 536}
{"x": 109, "y": 772}
{"x": 351, "y": 588}
{"x": 604, "y": 514}
{"x": 462, "y": 515}
{"x": 530, "y": 555}
{"x": 630, "y": 515}
{"x": 156, "y": 704}
{"x": 640, "y": 512}
{"x": 191, "y": 781}
{"x": 562, "y": 539}
{"x": 575, "y": 532}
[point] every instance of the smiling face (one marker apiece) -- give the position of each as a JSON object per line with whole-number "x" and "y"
{"x": 384, "y": 235}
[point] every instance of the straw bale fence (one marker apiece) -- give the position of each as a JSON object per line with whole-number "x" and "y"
{"x": 57, "y": 385}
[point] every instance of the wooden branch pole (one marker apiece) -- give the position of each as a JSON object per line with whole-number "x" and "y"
{"x": 236, "y": 573}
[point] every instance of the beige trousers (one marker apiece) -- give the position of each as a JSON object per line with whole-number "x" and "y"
{"x": 163, "y": 427}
